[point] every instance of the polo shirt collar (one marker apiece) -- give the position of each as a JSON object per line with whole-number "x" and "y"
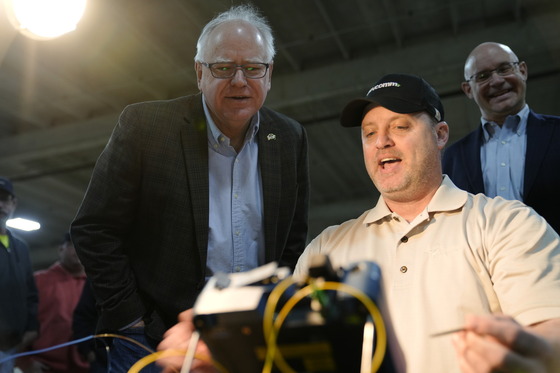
{"x": 447, "y": 198}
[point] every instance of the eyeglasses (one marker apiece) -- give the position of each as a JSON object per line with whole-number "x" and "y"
{"x": 226, "y": 70}
{"x": 504, "y": 69}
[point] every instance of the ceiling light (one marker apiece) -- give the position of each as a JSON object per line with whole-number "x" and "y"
{"x": 23, "y": 224}
{"x": 45, "y": 19}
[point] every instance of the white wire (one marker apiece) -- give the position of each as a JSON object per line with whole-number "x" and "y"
{"x": 367, "y": 345}
{"x": 189, "y": 356}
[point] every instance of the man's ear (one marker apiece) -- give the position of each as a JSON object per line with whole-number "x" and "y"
{"x": 523, "y": 70}
{"x": 270, "y": 75}
{"x": 442, "y": 134}
{"x": 466, "y": 87}
{"x": 198, "y": 70}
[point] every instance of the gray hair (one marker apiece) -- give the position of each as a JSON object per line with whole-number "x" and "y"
{"x": 246, "y": 13}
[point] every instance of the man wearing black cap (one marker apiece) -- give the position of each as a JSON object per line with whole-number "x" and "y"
{"x": 18, "y": 293}
{"x": 450, "y": 261}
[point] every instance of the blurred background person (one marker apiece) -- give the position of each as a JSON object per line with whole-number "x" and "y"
{"x": 18, "y": 293}
{"x": 60, "y": 287}
{"x": 514, "y": 153}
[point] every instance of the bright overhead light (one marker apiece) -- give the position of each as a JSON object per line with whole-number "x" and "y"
{"x": 23, "y": 224}
{"x": 45, "y": 19}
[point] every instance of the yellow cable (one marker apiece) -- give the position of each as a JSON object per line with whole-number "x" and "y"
{"x": 270, "y": 337}
{"x": 146, "y": 360}
{"x": 268, "y": 330}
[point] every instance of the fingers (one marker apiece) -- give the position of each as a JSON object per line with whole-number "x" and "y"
{"x": 176, "y": 338}
{"x": 509, "y": 333}
{"x": 179, "y": 337}
{"x": 470, "y": 348}
{"x": 187, "y": 316}
{"x": 498, "y": 343}
{"x": 483, "y": 353}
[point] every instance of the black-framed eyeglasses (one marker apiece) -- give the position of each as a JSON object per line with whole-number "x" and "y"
{"x": 226, "y": 70}
{"x": 504, "y": 69}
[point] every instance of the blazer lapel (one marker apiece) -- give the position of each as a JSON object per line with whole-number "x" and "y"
{"x": 472, "y": 164}
{"x": 539, "y": 135}
{"x": 269, "y": 160}
{"x": 194, "y": 140}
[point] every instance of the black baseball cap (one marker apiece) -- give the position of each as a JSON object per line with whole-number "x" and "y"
{"x": 6, "y": 185}
{"x": 401, "y": 93}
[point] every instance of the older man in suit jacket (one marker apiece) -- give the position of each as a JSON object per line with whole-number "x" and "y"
{"x": 192, "y": 186}
{"x": 515, "y": 152}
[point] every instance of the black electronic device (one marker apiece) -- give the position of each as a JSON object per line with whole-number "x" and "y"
{"x": 323, "y": 328}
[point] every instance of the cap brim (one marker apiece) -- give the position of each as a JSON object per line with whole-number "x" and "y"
{"x": 352, "y": 114}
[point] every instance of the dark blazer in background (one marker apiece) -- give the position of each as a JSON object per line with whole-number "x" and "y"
{"x": 142, "y": 229}
{"x": 541, "y": 191}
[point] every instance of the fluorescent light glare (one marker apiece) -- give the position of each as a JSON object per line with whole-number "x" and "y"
{"x": 45, "y": 19}
{"x": 23, "y": 224}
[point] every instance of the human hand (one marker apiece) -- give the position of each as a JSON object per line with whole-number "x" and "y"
{"x": 492, "y": 343}
{"x": 178, "y": 338}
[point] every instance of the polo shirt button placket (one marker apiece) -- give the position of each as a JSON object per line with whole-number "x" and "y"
{"x": 404, "y": 269}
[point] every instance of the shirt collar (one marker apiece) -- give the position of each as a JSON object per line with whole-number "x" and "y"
{"x": 447, "y": 198}
{"x": 214, "y": 134}
{"x": 520, "y": 129}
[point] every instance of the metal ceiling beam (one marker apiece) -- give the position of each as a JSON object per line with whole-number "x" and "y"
{"x": 517, "y": 9}
{"x": 296, "y": 89}
{"x": 392, "y": 16}
{"x": 454, "y": 16}
{"x": 332, "y": 29}
{"x": 288, "y": 56}
{"x": 367, "y": 13}
{"x": 305, "y": 88}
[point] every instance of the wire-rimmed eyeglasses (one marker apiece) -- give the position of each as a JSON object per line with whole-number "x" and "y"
{"x": 226, "y": 70}
{"x": 504, "y": 69}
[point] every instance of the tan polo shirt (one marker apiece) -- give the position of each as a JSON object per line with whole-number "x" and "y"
{"x": 463, "y": 254}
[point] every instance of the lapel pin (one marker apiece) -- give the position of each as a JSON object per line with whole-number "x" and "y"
{"x": 271, "y": 136}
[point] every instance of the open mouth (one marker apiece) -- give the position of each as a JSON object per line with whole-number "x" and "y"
{"x": 386, "y": 161}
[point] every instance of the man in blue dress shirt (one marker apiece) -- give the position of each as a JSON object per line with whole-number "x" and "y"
{"x": 187, "y": 187}
{"x": 514, "y": 153}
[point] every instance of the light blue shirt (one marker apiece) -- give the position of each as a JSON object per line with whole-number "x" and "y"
{"x": 502, "y": 156}
{"x": 235, "y": 234}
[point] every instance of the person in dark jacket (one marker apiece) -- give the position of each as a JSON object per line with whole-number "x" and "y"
{"x": 188, "y": 187}
{"x": 514, "y": 153}
{"x": 18, "y": 293}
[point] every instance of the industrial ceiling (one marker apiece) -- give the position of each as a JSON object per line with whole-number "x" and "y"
{"x": 60, "y": 99}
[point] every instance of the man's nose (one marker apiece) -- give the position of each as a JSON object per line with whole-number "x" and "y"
{"x": 383, "y": 141}
{"x": 495, "y": 78}
{"x": 239, "y": 77}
